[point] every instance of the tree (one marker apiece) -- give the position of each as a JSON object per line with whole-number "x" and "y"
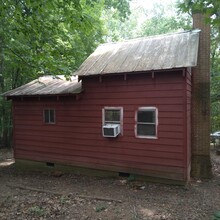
{"x": 162, "y": 19}
{"x": 117, "y": 29}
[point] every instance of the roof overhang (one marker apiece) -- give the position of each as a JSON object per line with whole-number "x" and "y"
{"x": 47, "y": 86}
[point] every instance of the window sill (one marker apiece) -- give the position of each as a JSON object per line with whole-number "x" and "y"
{"x": 146, "y": 137}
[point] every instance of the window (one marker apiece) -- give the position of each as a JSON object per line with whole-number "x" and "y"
{"x": 146, "y": 122}
{"x": 49, "y": 116}
{"x": 112, "y": 115}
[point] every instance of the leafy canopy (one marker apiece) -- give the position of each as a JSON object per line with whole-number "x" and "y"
{"x": 209, "y": 7}
{"x": 52, "y": 37}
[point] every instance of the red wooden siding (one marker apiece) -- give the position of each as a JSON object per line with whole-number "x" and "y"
{"x": 76, "y": 138}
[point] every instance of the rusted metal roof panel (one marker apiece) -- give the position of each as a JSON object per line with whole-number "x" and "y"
{"x": 48, "y": 85}
{"x": 144, "y": 54}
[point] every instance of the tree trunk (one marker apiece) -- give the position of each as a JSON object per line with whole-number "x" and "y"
{"x": 5, "y": 109}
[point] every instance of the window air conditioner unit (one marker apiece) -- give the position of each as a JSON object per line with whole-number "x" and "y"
{"x": 111, "y": 130}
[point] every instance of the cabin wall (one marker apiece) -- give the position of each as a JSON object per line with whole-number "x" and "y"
{"x": 76, "y": 138}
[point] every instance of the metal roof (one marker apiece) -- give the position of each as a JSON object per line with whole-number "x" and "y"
{"x": 144, "y": 54}
{"x": 48, "y": 85}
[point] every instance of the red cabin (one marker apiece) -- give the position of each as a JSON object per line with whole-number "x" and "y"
{"x": 129, "y": 110}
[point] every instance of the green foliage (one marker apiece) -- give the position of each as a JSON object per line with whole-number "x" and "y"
{"x": 49, "y": 37}
{"x": 37, "y": 211}
{"x": 216, "y": 216}
{"x": 131, "y": 178}
{"x": 141, "y": 22}
{"x": 100, "y": 207}
{"x": 162, "y": 20}
{"x": 121, "y": 8}
{"x": 162, "y": 25}
{"x": 63, "y": 199}
{"x": 52, "y": 37}
{"x": 209, "y": 7}
{"x": 215, "y": 102}
{"x": 117, "y": 30}
{"x": 215, "y": 78}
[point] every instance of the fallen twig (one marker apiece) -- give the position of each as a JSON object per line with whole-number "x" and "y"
{"x": 64, "y": 194}
{"x": 35, "y": 189}
{"x": 99, "y": 198}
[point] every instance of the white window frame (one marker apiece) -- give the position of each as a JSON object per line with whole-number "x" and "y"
{"x": 121, "y": 117}
{"x": 44, "y": 117}
{"x": 156, "y": 122}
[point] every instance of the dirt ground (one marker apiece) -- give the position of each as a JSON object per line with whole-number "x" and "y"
{"x": 38, "y": 195}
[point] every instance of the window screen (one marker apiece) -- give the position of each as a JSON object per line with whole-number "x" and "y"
{"x": 112, "y": 116}
{"x": 49, "y": 116}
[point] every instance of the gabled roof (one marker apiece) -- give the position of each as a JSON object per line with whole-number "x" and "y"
{"x": 144, "y": 54}
{"x": 48, "y": 85}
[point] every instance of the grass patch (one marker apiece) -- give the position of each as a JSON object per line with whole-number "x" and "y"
{"x": 37, "y": 211}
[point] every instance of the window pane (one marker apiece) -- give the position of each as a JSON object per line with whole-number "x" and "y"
{"x": 46, "y": 116}
{"x": 146, "y": 130}
{"x": 147, "y": 116}
{"x": 52, "y": 116}
{"x": 112, "y": 115}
